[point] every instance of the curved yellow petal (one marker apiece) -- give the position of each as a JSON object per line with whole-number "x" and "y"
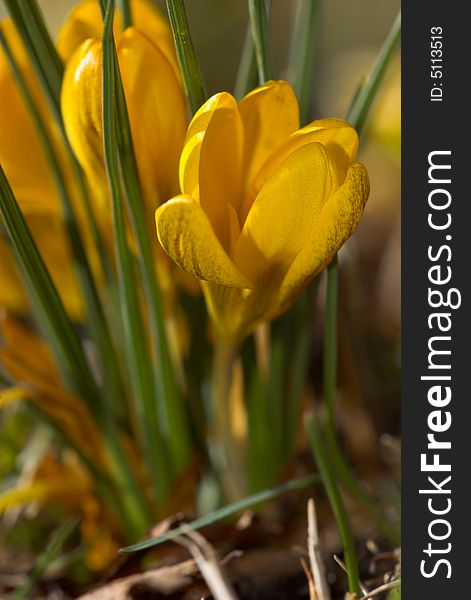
{"x": 338, "y": 137}
{"x": 81, "y": 110}
{"x": 284, "y": 213}
{"x": 150, "y": 21}
{"x": 21, "y": 152}
{"x": 157, "y": 113}
{"x": 333, "y": 226}
{"x": 270, "y": 114}
{"x": 211, "y": 160}
{"x": 83, "y": 22}
{"x": 186, "y": 235}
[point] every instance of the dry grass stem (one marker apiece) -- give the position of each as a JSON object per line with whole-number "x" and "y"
{"x": 342, "y": 565}
{"x": 315, "y": 557}
{"x": 382, "y": 588}
{"x": 208, "y": 563}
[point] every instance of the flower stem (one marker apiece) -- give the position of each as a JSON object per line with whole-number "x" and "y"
{"x": 228, "y": 455}
{"x": 328, "y": 476}
{"x": 259, "y": 24}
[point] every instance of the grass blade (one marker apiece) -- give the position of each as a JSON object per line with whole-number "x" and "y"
{"x": 167, "y": 408}
{"x": 127, "y": 13}
{"x": 259, "y": 25}
{"x": 65, "y": 344}
{"x": 367, "y": 91}
{"x": 303, "y": 53}
{"x": 247, "y": 73}
{"x": 328, "y": 476}
{"x": 58, "y": 539}
{"x": 357, "y": 115}
{"x": 189, "y": 66}
{"x": 227, "y": 511}
{"x": 138, "y": 354}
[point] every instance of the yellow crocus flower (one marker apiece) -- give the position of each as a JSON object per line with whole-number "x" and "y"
{"x": 31, "y": 179}
{"x": 153, "y": 90}
{"x": 264, "y": 205}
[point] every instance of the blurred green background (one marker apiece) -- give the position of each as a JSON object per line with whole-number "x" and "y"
{"x": 347, "y": 29}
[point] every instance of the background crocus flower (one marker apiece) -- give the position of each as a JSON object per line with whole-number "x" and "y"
{"x": 24, "y": 161}
{"x": 264, "y": 206}
{"x": 153, "y": 90}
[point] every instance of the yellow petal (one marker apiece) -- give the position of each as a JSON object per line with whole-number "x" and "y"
{"x": 284, "y": 213}
{"x": 188, "y": 238}
{"x": 333, "y": 226}
{"x": 338, "y": 137}
{"x": 81, "y": 110}
{"x": 150, "y": 21}
{"x": 82, "y": 23}
{"x": 21, "y": 153}
{"x": 270, "y": 114}
{"x": 157, "y": 112}
{"x": 211, "y": 160}
{"x": 85, "y": 22}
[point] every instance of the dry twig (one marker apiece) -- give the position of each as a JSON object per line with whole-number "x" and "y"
{"x": 315, "y": 557}
{"x": 208, "y": 564}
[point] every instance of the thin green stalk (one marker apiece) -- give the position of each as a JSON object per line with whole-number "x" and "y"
{"x": 46, "y": 63}
{"x": 98, "y": 326}
{"x": 168, "y": 398}
{"x": 189, "y": 66}
{"x": 228, "y": 454}
{"x": 328, "y": 476}
{"x": 330, "y": 347}
{"x": 65, "y": 344}
{"x": 247, "y": 73}
{"x": 299, "y": 362}
{"x": 357, "y": 116}
{"x": 104, "y": 486}
{"x": 127, "y": 13}
{"x": 303, "y": 53}
{"x": 139, "y": 360}
{"x": 44, "y": 559}
{"x": 274, "y": 404}
{"x": 367, "y": 92}
{"x": 227, "y": 511}
{"x": 344, "y": 470}
{"x": 259, "y": 25}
